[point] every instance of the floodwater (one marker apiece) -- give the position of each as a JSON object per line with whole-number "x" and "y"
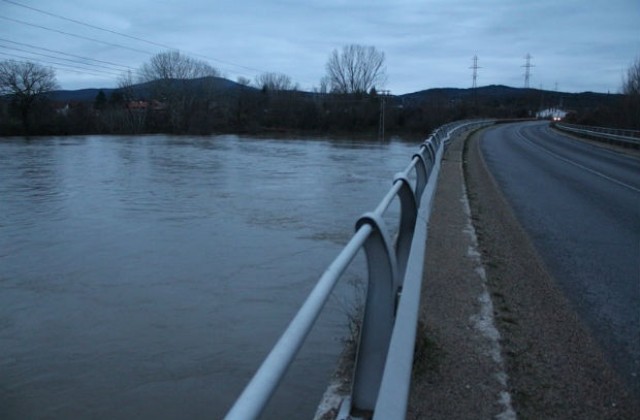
{"x": 147, "y": 277}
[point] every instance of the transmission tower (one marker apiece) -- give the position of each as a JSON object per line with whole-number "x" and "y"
{"x": 527, "y": 72}
{"x": 475, "y": 68}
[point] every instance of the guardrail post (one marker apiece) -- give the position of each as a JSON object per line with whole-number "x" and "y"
{"x": 379, "y": 312}
{"x": 421, "y": 174}
{"x": 408, "y": 215}
{"x": 429, "y": 145}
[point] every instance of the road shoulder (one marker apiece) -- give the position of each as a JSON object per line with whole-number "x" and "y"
{"x": 556, "y": 369}
{"x": 548, "y": 365}
{"x": 459, "y": 371}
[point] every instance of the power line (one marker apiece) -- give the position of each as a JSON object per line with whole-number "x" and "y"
{"x": 67, "y": 54}
{"x": 35, "y": 9}
{"x": 252, "y": 70}
{"x": 157, "y": 44}
{"x": 52, "y": 64}
{"x": 95, "y": 72}
{"x": 111, "y": 70}
{"x": 75, "y": 35}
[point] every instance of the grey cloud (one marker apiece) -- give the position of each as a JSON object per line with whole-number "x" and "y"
{"x": 427, "y": 43}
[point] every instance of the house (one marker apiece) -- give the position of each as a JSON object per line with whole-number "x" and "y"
{"x": 555, "y": 114}
{"x": 153, "y": 105}
{"x": 137, "y": 105}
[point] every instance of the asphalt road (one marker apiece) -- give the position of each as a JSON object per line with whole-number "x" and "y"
{"x": 580, "y": 204}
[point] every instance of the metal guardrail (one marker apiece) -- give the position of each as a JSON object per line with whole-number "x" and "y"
{"x": 629, "y": 138}
{"x": 385, "y": 352}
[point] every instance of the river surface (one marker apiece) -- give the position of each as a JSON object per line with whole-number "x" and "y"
{"x": 147, "y": 277}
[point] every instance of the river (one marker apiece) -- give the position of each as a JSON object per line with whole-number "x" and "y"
{"x": 147, "y": 277}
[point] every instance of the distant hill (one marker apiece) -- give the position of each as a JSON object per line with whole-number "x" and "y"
{"x": 492, "y": 95}
{"x": 82, "y": 95}
{"x": 506, "y": 94}
{"x": 143, "y": 90}
{"x": 457, "y": 93}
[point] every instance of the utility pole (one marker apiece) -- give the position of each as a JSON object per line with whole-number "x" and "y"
{"x": 527, "y": 71}
{"x": 383, "y": 97}
{"x": 474, "y": 86}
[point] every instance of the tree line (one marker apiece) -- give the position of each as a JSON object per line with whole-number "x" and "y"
{"x": 175, "y": 93}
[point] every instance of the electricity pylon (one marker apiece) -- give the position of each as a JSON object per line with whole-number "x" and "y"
{"x": 527, "y": 72}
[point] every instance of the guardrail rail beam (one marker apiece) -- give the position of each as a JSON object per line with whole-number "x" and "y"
{"x": 384, "y": 356}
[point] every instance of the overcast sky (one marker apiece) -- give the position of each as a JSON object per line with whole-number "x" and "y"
{"x": 580, "y": 45}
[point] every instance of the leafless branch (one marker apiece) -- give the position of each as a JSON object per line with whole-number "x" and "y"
{"x": 355, "y": 69}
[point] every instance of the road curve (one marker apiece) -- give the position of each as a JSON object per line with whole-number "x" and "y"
{"x": 580, "y": 204}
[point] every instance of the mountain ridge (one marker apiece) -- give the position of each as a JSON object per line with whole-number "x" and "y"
{"x": 140, "y": 90}
{"x": 143, "y": 91}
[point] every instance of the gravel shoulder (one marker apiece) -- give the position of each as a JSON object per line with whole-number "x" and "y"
{"x": 497, "y": 337}
{"x": 458, "y": 367}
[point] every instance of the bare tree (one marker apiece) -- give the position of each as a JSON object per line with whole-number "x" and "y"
{"x": 630, "y": 111}
{"x": 27, "y": 83}
{"x": 175, "y": 65}
{"x": 631, "y": 81}
{"x": 123, "y": 117}
{"x": 173, "y": 75}
{"x": 243, "y": 81}
{"x": 278, "y": 98}
{"x": 324, "y": 85}
{"x": 355, "y": 69}
{"x": 126, "y": 86}
{"x": 275, "y": 82}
